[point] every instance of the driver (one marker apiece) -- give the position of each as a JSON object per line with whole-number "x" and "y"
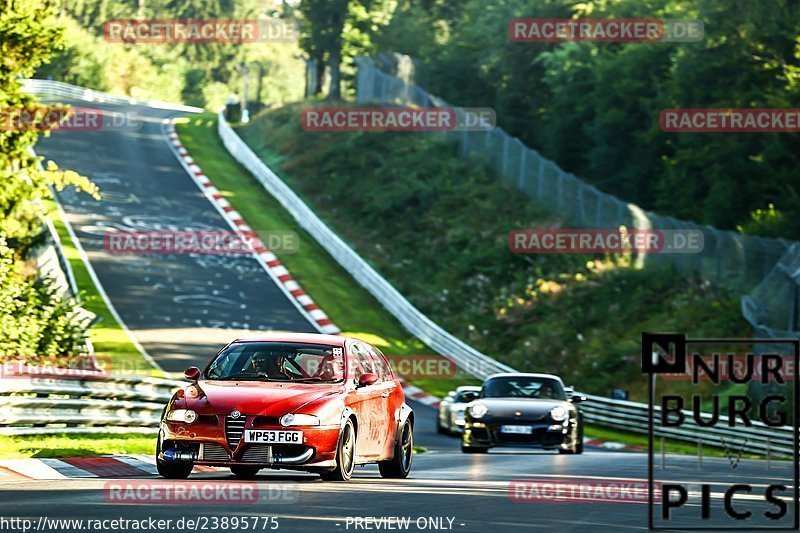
{"x": 546, "y": 391}
{"x": 267, "y": 363}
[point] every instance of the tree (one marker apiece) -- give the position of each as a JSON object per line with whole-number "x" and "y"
{"x": 32, "y": 317}
{"x": 336, "y": 31}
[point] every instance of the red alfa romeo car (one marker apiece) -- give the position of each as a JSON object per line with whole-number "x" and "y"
{"x": 318, "y": 403}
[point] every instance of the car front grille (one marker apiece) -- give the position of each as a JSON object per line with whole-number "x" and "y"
{"x": 214, "y": 452}
{"x": 234, "y": 428}
{"x": 257, "y": 453}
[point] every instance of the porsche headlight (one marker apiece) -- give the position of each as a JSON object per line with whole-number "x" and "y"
{"x": 299, "y": 420}
{"x": 182, "y": 415}
{"x": 558, "y": 413}
{"x": 478, "y": 410}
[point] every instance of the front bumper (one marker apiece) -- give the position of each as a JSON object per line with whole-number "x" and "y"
{"x": 208, "y": 445}
{"x": 489, "y": 434}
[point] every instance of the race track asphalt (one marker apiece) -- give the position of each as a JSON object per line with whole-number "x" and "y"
{"x": 181, "y": 308}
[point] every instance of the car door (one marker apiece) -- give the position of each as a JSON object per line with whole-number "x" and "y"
{"x": 392, "y": 399}
{"x": 366, "y": 402}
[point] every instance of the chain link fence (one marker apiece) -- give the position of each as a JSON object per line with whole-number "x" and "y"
{"x": 773, "y": 308}
{"x": 728, "y": 259}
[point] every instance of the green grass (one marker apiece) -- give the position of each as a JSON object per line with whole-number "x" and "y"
{"x": 346, "y": 302}
{"x": 112, "y": 345}
{"x": 75, "y": 445}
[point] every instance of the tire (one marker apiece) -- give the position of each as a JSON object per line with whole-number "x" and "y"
{"x": 171, "y": 470}
{"x": 345, "y": 455}
{"x": 473, "y": 449}
{"x": 440, "y": 429}
{"x": 245, "y": 472}
{"x": 576, "y": 448}
{"x": 400, "y": 465}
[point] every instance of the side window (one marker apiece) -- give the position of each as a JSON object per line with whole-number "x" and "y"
{"x": 361, "y": 362}
{"x": 355, "y": 365}
{"x": 365, "y": 360}
{"x": 381, "y": 364}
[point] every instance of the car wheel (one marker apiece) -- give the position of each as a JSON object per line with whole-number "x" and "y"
{"x": 440, "y": 428}
{"x": 245, "y": 472}
{"x": 400, "y": 465}
{"x": 473, "y": 449}
{"x": 171, "y": 470}
{"x": 345, "y": 455}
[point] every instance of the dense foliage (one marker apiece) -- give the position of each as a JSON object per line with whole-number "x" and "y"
{"x": 594, "y": 107}
{"x": 201, "y": 74}
{"x": 33, "y": 319}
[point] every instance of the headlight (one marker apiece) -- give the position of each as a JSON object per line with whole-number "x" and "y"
{"x": 299, "y": 420}
{"x": 182, "y": 415}
{"x": 478, "y": 410}
{"x": 558, "y": 413}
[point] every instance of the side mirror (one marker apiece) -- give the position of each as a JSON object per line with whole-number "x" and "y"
{"x": 470, "y": 396}
{"x": 578, "y": 399}
{"x": 367, "y": 379}
{"x": 191, "y": 373}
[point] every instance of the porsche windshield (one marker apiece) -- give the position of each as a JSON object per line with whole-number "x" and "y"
{"x": 278, "y": 361}
{"x": 523, "y": 387}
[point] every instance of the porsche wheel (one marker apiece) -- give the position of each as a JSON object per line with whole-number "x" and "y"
{"x": 400, "y": 465}
{"x": 171, "y": 470}
{"x": 245, "y": 472}
{"x": 345, "y": 455}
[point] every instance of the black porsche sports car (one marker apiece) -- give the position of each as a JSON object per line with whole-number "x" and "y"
{"x": 523, "y": 410}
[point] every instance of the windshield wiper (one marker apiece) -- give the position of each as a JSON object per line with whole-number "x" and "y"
{"x": 243, "y": 376}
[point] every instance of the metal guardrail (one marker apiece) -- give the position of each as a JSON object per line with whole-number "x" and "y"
{"x": 66, "y": 90}
{"x": 465, "y": 356}
{"x": 92, "y": 403}
{"x": 631, "y": 416}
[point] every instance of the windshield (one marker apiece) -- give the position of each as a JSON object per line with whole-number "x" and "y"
{"x": 523, "y": 387}
{"x": 278, "y": 361}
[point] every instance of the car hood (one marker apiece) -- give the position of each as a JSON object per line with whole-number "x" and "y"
{"x": 255, "y": 398}
{"x": 528, "y": 408}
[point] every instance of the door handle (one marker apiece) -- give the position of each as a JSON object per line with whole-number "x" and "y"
{"x": 385, "y": 394}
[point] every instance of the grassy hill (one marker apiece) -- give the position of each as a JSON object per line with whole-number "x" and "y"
{"x": 436, "y": 225}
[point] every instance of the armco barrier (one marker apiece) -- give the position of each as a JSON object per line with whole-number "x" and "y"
{"x": 630, "y": 416}
{"x": 39, "y": 404}
{"x": 65, "y": 90}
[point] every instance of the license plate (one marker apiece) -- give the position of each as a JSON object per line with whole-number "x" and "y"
{"x": 519, "y": 430}
{"x": 273, "y": 437}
